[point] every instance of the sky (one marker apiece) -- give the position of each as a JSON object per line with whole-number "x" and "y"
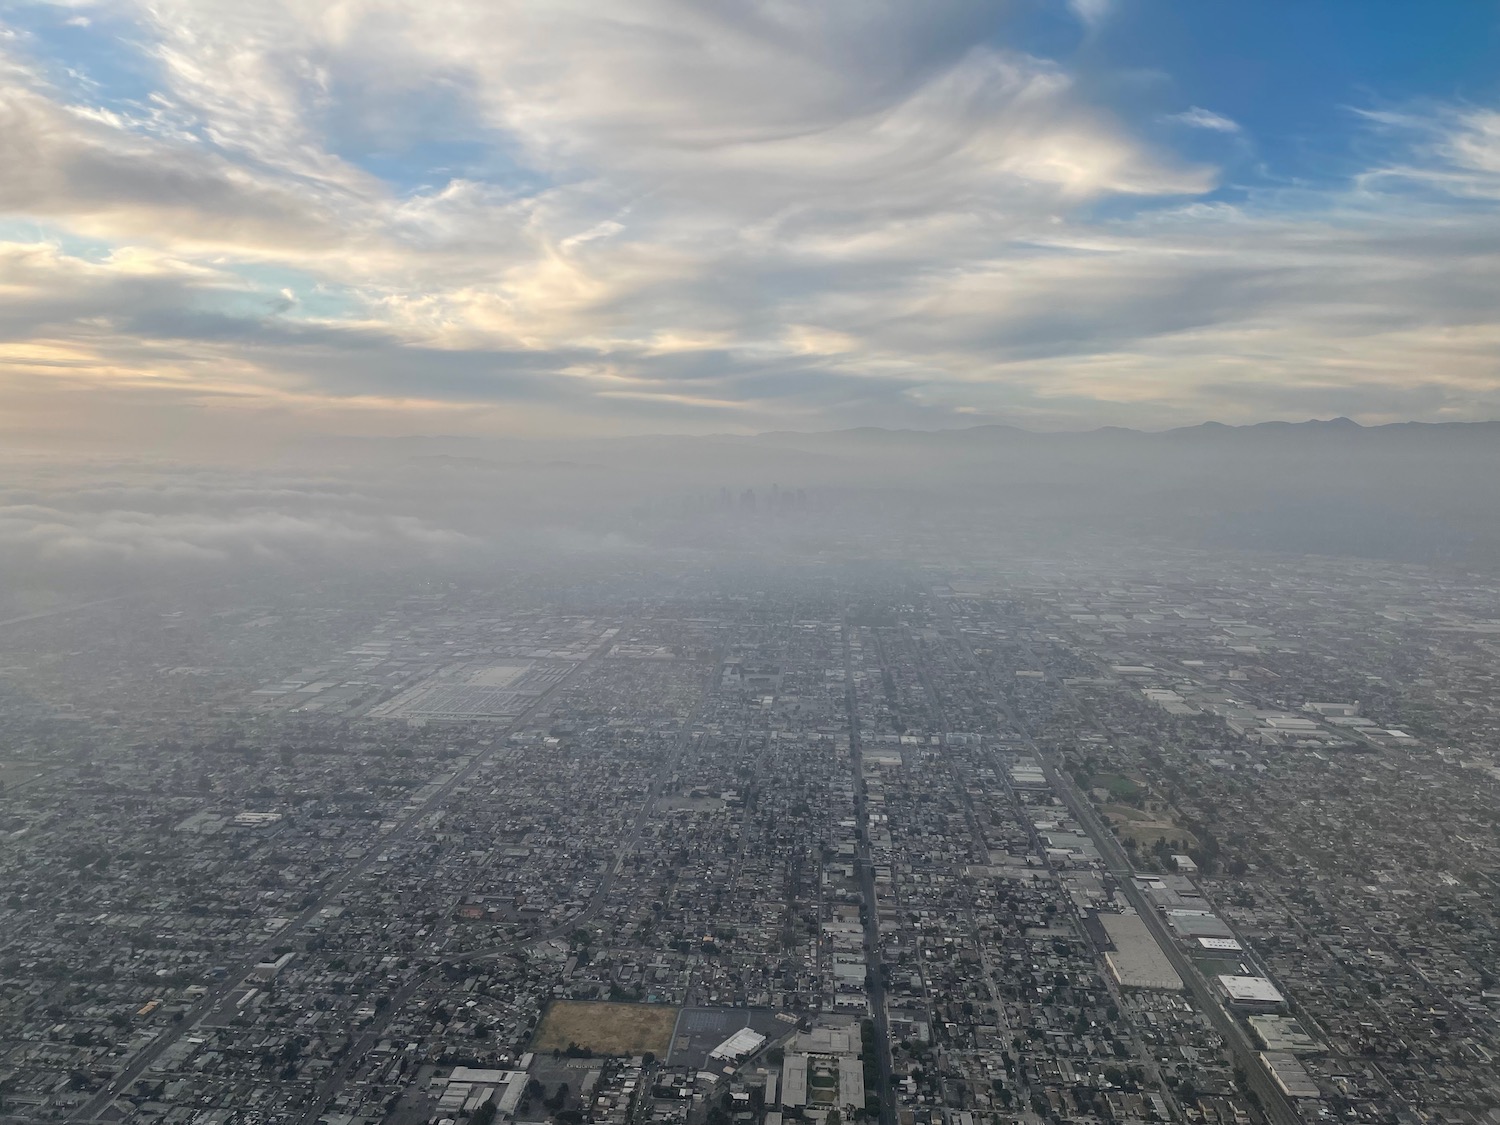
{"x": 227, "y": 222}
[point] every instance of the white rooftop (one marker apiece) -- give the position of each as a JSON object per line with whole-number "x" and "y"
{"x": 738, "y": 1045}
{"x": 1255, "y": 989}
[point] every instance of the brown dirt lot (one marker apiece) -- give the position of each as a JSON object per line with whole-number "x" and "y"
{"x": 607, "y": 1029}
{"x": 1146, "y": 829}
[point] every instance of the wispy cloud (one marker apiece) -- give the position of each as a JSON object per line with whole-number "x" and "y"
{"x": 524, "y": 214}
{"x": 1448, "y": 149}
{"x": 1198, "y": 118}
{"x": 1091, "y": 13}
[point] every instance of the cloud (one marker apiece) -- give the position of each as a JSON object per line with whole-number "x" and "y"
{"x": 1198, "y": 118}
{"x": 146, "y": 523}
{"x": 1091, "y": 13}
{"x": 522, "y": 215}
{"x": 1452, "y": 150}
{"x": 106, "y": 180}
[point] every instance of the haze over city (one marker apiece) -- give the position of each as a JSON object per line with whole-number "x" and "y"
{"x": 779, "y": 563}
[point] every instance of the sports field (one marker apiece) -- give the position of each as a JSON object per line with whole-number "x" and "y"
{"x": 607, "y": 1029}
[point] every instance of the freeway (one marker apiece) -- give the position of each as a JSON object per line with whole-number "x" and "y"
{"x": 375, "y": 1030}
{"x": 867, "y": 892}
{"x": 236, "y": 977}
{"x": 62, "y": 610}
{"x": 1272, "y": 1100}
{"x": 1275, "y": 1104}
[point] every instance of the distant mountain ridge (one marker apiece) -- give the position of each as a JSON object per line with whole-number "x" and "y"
{"x": 963, "y": 442}
{"x": 1322, "y": 427}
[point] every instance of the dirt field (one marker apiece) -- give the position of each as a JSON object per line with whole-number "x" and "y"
{"x": 1146, "y": 829}
{"x": 607, "y": 1029}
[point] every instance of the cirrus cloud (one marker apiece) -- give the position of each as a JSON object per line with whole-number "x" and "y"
{"x": 534, "y": 215}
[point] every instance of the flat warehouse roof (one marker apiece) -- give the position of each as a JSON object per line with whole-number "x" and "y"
{"x": 1256, "y": 989}
{"x": 742, "y": 1042}
{"x": 1137, "y": 961}
{"x": 1221, "y": 944}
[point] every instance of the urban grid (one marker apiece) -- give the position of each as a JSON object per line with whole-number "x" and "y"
{"x": 914, "y": 845}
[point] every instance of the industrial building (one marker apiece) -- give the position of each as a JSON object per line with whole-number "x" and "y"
{"x": 742, "y": 1044}
{"x": 1283, "y": 1033}
{"x": 1137, "y": 960}
{"x": 1255, "y": 994}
